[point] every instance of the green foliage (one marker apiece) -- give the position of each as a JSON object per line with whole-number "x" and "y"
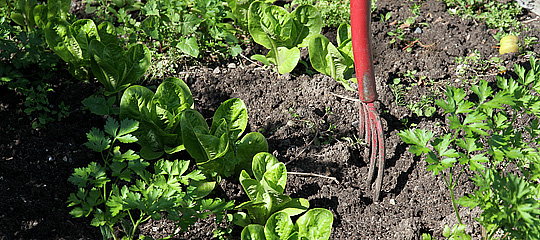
{"x": 115, "y": 68}
{"x": 107, "y": 10}
{"x": 424, "y": 107}
{"x": 336, "y": 62}
{"x": 483, "y": 139}
{"x": 71, "y": 43}
{"x": 123, "y": 191}
{"x": 169, "y": 125}
{"x": 282, "y": 32}
{"x": 508, "y": 203}
{"x": 99, "y": 105}
{"x": 217, "y": 149}
{"x": 315, "y": 224}
{"x": 24, "y": 14}
{"x": 269, "y": 211}
{"x": 239, "y": 9}
{"x": 474, "y": 65}
{"x": 334, "y": 12}
{"x": 25, "y": 64}
{"x": 194, "y": 27}
{"x": 266, "y": 191}
{"x": 159, "y": 115}
{"x": 457, "y": 232}
{"x": 496, "y": 14}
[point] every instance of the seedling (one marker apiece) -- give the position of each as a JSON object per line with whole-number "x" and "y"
{"x": 386, "y": 17}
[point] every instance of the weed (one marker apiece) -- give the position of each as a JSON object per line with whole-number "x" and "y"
{"x": 397, "y": 35}
{"x": 386, "y": 17}
{"x": 476, "y": 66}
{"x": 495, "y": 14}
{"x": 397, "y": 90}
{"x": 334, "y": 12}
{"x": 424, "y": 107}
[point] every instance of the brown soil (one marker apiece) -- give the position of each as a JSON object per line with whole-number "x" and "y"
{"x": 306, "y": 120}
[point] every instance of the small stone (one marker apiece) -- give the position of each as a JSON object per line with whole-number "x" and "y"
{"x": 231, "y": 65}
{"x": 217, "y": 71}
{"x": 418, "y": 30}
{"x": 392, "y": 201}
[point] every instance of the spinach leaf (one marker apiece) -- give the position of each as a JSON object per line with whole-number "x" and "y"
{"x": 253, "y": 232}
{"x": 315, "y": 224}
{"x": 279, "y": 226}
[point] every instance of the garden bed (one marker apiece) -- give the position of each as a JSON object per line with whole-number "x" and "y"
{"x": 309, "y": 120}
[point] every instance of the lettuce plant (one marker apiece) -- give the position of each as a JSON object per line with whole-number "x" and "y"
{"x": 315, "y": 224}
{"x": 282, "y": 32}
{"x": 485, "y": 138}
{"x": 239, "y": 8}
{"x": 122, "y": 191}
{"x": 266, "y": 191}
{"x": 159, "y": 115}
{"x": 269, "y": 211}
{"x": 70, "y": 42}
{"x": 336, "y": 62}
{"x": 115, "y": 68}
{"x": 217, "y": 149}
{"x": 53, "y": 9}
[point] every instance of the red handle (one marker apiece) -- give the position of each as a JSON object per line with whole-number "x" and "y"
{"x": 361, "y": 41}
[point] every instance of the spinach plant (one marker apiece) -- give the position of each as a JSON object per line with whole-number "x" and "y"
{"x": 159, "y": 115}
{"x": 266, "y": 192}
{"x": 484, "y": 138}
{"x": 217, "y": 149}
{"x": 123, "y": 191}
{"x": 336, "y": 62}
{"x": 282, "y": 32}
{"x": 315, "y": 224}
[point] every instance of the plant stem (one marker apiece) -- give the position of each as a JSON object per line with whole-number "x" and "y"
{"x": 137, "y": 224}
{"x": 451, "y": 185}
{"x": 455, "y": 205}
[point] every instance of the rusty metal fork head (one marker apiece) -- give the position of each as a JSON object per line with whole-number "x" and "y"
{"x": 371, "y": 129}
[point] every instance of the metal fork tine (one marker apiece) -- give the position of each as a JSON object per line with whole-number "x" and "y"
{"x": 380, "y": 140}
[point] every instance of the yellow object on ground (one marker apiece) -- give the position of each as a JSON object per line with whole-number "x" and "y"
{"x": 509, "y": 44}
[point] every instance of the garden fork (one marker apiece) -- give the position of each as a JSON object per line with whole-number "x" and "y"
{"x": 370, "y": 123}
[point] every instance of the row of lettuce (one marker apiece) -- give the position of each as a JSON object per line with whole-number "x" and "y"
{"x": 126, "y": 188}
